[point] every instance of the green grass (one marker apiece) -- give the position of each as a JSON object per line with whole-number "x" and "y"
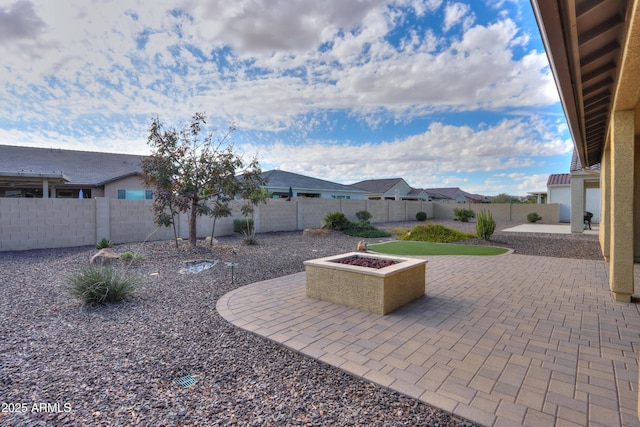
{"x": 430, "y": 248}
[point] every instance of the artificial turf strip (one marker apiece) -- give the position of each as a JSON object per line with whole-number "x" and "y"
{"x": 430, "y": 248}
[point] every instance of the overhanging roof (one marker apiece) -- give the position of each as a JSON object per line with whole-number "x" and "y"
{"x": 9, "y": 177}
{"x": 585, "y": 40}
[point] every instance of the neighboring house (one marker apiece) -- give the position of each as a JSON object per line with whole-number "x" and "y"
{"x": 580, "y": 187}
{"x": 279, "y": 182}
{"x": 585, "y": 190}
{"x": 455, "y": 195}
{"x": 55, "y": 173}
{"x": 559, "y": 191}
{"x": 390, "y": 189}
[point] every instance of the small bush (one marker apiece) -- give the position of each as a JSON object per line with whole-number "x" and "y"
{"x": 399, "y": 231}
{"x": 534, "y": 217}
{"x": 336, "y": 221}
{"x": 363, "y": 216}
{"x": 249, "y": 238}
{"x": 101, "y": 285}
{"x": 366, "y": 230}
{"x": 421, "y": 216}
{"x": 485, "y": 225}
{"x": 104, "y": 243}
{"x": 243, "y": 225}
{"x": 130, "y": 257}
{"x": 435, "y": 233}
{"x": 463, "y": 215}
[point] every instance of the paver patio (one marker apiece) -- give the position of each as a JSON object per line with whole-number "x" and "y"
{"x": 508, "y": 340}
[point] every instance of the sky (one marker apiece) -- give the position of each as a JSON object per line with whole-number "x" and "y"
{"x": 440, "y": 93}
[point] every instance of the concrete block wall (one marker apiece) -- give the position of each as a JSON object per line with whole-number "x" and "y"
{"x": 379, "y": 210}
{"x": 132, "y": 221}
{"x": 276, "y": 215}
{"x": 46, "y": 223}
{"x": 351, "y": 207}
{"x": 312, "y": 210}
{"x": 53, "y": 223}
{"x": 397, "y": 211}
{"x": 550, "y": 213}
{"x": 412, "y": 208}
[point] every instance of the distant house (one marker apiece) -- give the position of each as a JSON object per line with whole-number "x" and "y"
{"x": 455, "y": 195}
{"x": 279, "y": 182}
{"x": 55, "y": 173}
{"x": 580, "y": 187}
{"x": 390, "y": 189}
{"x": 559, "y": 191}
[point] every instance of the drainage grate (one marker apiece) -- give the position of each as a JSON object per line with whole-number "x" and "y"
{"x": 186, "y": 381}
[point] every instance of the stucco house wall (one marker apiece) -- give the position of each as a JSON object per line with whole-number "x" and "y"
{"x": 561, "y": 194}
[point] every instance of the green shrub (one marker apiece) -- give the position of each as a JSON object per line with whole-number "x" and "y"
{"x": 533, "y": 217}
{"x": 130, "y": 257}
{"x": 435, "y": 233}
{"x": 249, "y": 237}
{"x": 463, "y": 215}
{"x": 366, "y": 230}
{"x": 241, "y": 225}
{"x": 101, "y": 285}
{"x": 363, "y": 216}
{"x": 336, "y": 221}
{"x": 485, "y": 224}
{"x": 421, "y": 216}
{"x": 104, "y": 243}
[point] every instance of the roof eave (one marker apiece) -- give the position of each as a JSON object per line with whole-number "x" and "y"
{"x": 552, "y": 26}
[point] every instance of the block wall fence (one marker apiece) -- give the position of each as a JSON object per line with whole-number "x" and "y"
{"x": 56, "y": 223}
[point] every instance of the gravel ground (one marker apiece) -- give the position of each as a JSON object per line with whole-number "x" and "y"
{"x": 62, "y": 364}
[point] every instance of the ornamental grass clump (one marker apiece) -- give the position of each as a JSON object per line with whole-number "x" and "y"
{"x": 435, "y": 233}
{"x": 101, "y": 285}
{"x": 336, "y": 221}
{"x": 131, "y": 258}
{"x": 533, "y": 217}
{"x": 485, "y": 224}
{"x": 104, "y": 243}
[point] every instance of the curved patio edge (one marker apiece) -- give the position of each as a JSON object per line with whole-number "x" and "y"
{"x": 518, "y": 340}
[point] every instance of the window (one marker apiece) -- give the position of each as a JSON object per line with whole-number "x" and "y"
{"x": 135, "y": 194}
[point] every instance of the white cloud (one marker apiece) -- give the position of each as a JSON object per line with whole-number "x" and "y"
{"x": 530, "y": 183}
{"x": 98, "y": 66}
{"x": 457, "y": 13}
{"x": 91, "y": 75}
{"x": 439, "y": 151}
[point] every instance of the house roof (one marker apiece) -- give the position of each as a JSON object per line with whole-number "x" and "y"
{"x": 452, "y": 193}
{"x": 79, "y": 167}
{"x": 577, "y": 166}
{"x": 587, "y": 44}
{"x": 377, "y": 185}
{"x": 559, "y": 179}
{"x": 282, "y": 179}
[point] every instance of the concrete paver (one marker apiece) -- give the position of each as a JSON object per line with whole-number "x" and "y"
{"x": 506, "y": 340}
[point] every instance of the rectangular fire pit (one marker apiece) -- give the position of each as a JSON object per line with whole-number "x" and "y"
{"x": 378, "y": 291}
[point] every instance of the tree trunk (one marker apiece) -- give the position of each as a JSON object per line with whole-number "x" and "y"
{"x": 192, "y": 226}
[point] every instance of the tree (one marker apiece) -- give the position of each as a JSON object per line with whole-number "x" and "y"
{"x": 252, "y": 192}
{"x": 505, "y": 198}
{"x": 189, "y": 170}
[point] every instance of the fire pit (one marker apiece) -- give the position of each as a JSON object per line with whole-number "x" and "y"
{"x": 377, "y": 290}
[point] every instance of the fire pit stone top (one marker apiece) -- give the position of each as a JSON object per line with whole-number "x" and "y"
{"x": 399, "y": 263}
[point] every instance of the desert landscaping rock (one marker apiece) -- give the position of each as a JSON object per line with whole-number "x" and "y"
{"x": 117, "y": 365}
